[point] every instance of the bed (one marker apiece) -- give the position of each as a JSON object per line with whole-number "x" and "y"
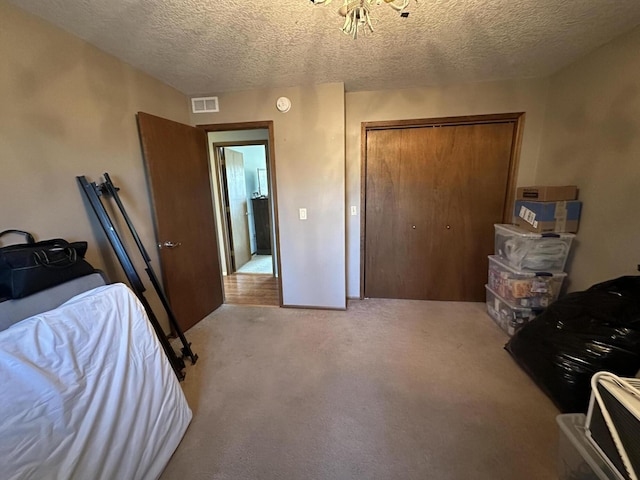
{"x": 86, "y": 390}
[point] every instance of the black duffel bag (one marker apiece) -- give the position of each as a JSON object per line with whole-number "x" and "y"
{"x": 27, "y": 268}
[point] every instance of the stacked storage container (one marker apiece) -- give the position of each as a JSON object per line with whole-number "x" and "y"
{"x": 525, "y": 274}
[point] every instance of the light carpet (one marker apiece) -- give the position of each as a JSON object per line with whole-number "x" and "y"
{"x": 389, "y": 389}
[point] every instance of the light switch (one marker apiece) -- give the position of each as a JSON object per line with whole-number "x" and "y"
{"x": 303, "y": 214}
{"x": 354, "y": 210}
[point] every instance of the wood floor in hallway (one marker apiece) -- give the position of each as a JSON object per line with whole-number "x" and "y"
{"x": 251, "y": 289}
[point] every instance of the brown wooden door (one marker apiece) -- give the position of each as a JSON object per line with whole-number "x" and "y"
{"x": 237, "y": 197}
{"x": 432, "y": 197}
{"x": 178, "y": 172}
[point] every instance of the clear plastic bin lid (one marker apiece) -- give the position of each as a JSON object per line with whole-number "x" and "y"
{"x": 507, "y": 229}
{"x": 523, "y": 273}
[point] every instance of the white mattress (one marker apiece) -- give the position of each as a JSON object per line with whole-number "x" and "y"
{"x": 86, "y": 392}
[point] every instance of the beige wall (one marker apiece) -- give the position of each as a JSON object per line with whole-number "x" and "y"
{"x": 592, "y": 139}
{"x": 68, "y": 109}
{"x": 474, "y": 99}
{"x": 309, "y": 161}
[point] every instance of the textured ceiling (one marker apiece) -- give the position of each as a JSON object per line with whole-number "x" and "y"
{"x": 213, "y": 46}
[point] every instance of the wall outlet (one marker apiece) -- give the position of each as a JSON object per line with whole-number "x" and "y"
{"x": 354, "y": 210}
{"x": 303, "y": 214}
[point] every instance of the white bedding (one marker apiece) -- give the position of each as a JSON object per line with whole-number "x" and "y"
{"x": 86, "y": 392}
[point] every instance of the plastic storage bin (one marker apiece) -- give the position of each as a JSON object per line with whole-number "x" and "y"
{"x": 577, "y": 458}
{"x": 523, "y": 288}
{"x": 508, "y": 316}
{"x": 536, "y": 252}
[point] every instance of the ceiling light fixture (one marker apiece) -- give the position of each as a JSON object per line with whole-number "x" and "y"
{"x": 357, "y": 13}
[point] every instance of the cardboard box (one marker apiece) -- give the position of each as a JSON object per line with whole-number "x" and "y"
{"x": 547, "y": 193}
{"x": 546, "y": 217}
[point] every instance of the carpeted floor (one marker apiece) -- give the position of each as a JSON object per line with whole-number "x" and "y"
{"x": 389, "y": 389}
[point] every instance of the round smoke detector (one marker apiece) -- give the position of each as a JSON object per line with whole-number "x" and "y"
{"x": 283, "y": 104}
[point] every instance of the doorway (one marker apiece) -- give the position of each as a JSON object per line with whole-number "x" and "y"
{"x": 432, "y": 190}
{"x": 242, "y": 170}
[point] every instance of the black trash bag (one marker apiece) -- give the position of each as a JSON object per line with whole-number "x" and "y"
{"x": 581, "y": 334}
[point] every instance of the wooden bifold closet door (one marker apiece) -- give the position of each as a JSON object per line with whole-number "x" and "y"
{"x": 432, "y": 195}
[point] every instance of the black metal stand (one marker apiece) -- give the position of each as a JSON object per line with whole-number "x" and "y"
{"x": 93, "y": 192}
{"x": 110, "y": 189}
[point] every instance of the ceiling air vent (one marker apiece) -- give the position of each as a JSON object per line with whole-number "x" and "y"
{"x": 204, "y": 104}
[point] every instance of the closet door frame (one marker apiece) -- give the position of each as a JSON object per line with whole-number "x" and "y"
{"x": 517, "y": 118}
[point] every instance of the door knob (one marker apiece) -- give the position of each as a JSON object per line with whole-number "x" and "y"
{"x": 448, "y": 227}
{"x": 169, "y": 245}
